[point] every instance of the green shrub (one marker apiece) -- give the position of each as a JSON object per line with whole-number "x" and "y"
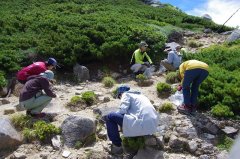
{"x": 22, "y": 121}
{"x": 114, "y": 92}
{"x": 164, "y": 89}
{"x": 141, "y": 77}
{"x": 225, "y": 143}
{"x": 108, "y": 82}
{"x": 3, "y": 81}
{"x": 166, "y": 107}
{"x": 194, "y": 44}
{"x": 89, "y": 97}
{"x": 220, "y": 110}
{"x": 75, "y": 99}
{"x": 172, "y": 77}
{"x": 133, "y": 143}
{"x": 41, "y": 131}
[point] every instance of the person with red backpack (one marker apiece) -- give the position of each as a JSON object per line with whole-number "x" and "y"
{"x": 35, "y": 69}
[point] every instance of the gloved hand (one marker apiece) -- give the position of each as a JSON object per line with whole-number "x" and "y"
{"x": 146, "y": 64}
{"x": 179, "y": 87}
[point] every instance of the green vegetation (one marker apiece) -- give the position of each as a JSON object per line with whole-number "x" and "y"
{"x": 220, "y": 110}
{"x": 172, "y": 77}
{"x": 108, "y": 82}
{"x": 85, "y": 31}
{"x": 166, "y": 107}
{"x": 114, "y": 92}
{"x": 141, "y": 77}
{"x": 34, "y": 130}
{"x": 164, "y": 89}
{"x": 89, "y": 97}
{"x": 133, "y": 143}
{"x": 225, "y": 143}
{"x": 75, "y": 99}
{"x": 194, "y": 44}
{"x": 222, "y": 86}
{"x": 3, "y": 81}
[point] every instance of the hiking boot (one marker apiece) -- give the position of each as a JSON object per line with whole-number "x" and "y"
{"x": 38, "y": 115}
{"x": 184, "y": 109}
{"x": 193, "y": 109}
{"x": 116, "y": 150}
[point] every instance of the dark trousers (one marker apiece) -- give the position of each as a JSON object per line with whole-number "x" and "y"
{"x": 112, "y": 122}
{"x": 191, "y": 82}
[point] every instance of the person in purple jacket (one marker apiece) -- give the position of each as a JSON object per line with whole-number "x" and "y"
{"x": 31, "y": 96}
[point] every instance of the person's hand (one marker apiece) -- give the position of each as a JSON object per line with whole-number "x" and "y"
{"x": 179, "y": 87}
{"x": 146, "y": 64}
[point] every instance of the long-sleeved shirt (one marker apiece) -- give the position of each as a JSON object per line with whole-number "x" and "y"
{"x": 191, "y": 64}
{"x": 139, "y": 56}
{"x": 35, "y": 84}
{"x": 174, "y": 59}
{"x": 33, "y": 69}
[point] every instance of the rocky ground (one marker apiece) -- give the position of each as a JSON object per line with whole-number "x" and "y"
{"x": 178, "y": 137}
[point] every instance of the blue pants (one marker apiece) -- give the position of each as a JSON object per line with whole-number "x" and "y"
{"x": 191, "y": 82}
{"x": 112, "y": 121}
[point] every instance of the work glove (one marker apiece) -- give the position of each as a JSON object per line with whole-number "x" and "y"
{"x": 146, "y": 64}
{"x": 179, "y": 87}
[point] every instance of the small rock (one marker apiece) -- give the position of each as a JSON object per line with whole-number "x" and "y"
{"x": 5, "y": 101}
{"x": 79, "y": 88}
{"x": 204, "y": 157}
{"x": 178, "y": 122}
{"x": 104, "y": 99}
{"x": 56, "y": 142}
{"x": 19, "y": 155}
{"x": 160, "y": 142}
{"x": 98, "y": 94}
{"x": 66, "y": 153}
{"x": 68, "y": 85}
{"x": 44, "y": 155}
{"x": 9, "y": 111}
{"x": 192, "y": 146}
{"x": 77, "y": 93}
{"x": 150, "y": 140}
{"x": 103, "y": 134}
{"x": 177, "y": 144}
{"x": 230, "y": 130}
{"x": 212, "y": 128}
{"x": 222, "y": 155}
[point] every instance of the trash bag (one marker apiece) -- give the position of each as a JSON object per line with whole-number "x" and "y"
{"x": 177, "y": 98}
{"x": 162, "y": 69}
{"x": 149, "y": 71}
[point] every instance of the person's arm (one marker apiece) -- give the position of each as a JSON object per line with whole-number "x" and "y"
{"x": 125, "y": 104}
{"x": 46, "y": 87}
{"x": 182, "y": 71}
{"x": 148, "y": 58}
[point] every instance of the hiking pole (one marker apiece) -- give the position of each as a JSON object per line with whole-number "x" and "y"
{"x": 228, "y": 20}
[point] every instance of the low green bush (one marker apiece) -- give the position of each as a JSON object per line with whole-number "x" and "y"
{"x": 166, "y": 107}
{"x": 225, "y": 143}
{"x": 3, "y": 81}
{"x": 172, "y": 77}
{"x": 220, "y": 110}
{"x": 114, "y": 92}
{"x": 194, "y": 44}
{"x": 89, "y": 97}
{"x": 75, "y": 99}
{"x": 21, "y": 121}
{"x": 141, "y": 77}
{"x": 133, "y": 143}
{"x": 164, "y": 89}
{"x": 108, "y": 82}
{"x": 41, "y": 131}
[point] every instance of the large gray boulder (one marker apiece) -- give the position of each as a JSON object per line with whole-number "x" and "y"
{"x": 235, "y": 35}
{"x": 78, "y": 129}
{"x": 9, "y": 137}
{"x": 207, "y": 17}
{"x": 81, "y": 72}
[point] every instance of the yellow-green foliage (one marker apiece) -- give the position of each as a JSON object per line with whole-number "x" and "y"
{"x": 21, "y": 121}
{"x": 108, "y": 82}
{"x": 89, "y": 97}
{"x": 114, "y": 92}
{"x": 133, "y": 143}
{"x": 141, "y": 77}
{"x": 225, "y": 143}
{"x": 194, "y": 44}
{"x": 172, "y": 77}
{"x": 220, "y": 110}
{"x": 166, "y": 107}
{"x": 75, "y": 99}
{"x": 164, "y": 89}
{"x": 3, "y": 81}
{"x": 41, "y": 131}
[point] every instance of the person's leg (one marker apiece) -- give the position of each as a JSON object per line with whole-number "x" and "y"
{"x": 195, "y": 85}
{"x": 136, "y": 67}
{"x": 36, "y": 105}
{"x": 112, "y": 121}
{"x": 167, "y": 65}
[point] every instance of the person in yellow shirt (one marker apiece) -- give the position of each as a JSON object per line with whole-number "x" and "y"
{"x": 140, "y": 60}
{"x": 192, "y": 73}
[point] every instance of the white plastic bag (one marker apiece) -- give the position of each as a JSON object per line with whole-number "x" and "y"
{"x": 177, "y": 98}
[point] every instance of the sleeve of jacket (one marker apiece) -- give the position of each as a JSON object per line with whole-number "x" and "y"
{"x": 149, "y": 59}
{"x": 125, "y": 103}
{"x": 46, "y": 87}
{"x": 182, "y": 71}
